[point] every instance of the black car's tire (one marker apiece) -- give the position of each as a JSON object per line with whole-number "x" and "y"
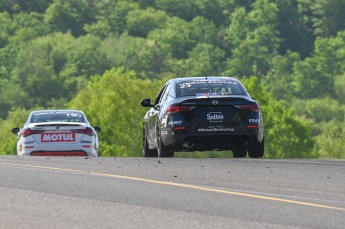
{"x": 256, "y": 150}
{"x": 164, "y": 151}
{"x": 147, "y": 152}
{"x": 239, "y": 152}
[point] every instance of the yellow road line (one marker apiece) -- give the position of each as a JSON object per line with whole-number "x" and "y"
{"x": 181, "y": 185}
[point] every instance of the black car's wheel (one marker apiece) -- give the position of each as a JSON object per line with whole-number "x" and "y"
{"x": 147, "y": 152}
{"x": 164, "y": 151}
{"x": 239, "y": 152}
{"x": 256, "y": 150}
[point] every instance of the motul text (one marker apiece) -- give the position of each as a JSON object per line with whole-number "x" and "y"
{"x": 57, "y": 137}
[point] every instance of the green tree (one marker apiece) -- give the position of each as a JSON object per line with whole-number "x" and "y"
{"x": 247, "y": 4}
{"x": 6, "y": 54}
{"x": 16, "y": 118}
{"x": 320, "y": 110}
{"x": 339, "y": 87}
{"x": 64, "y": 16}
{"x": 187, "y": 10}
{"x": 204, "y": 31}
{"x": 5, "y": 29}
{"x": 145, "y": 3}
{"x": 280, "y": 78}
{"x": 314, "y": 77}
{"x": 11, "y": 95}
{"x": 330, "y": 143}
{"x": 115, "y": 107}
{"x": 35, "y": 75}
{"x": 174, "y": 38}
{"x": 15, "y": 6}
{"x": 329, "y": 17}
{"x": 323, "y": 18}
{"x": 27, "y": 26}
{"x": 293, "y": 32}
{"x": 141, "y": 22}
{"x": 15, "y": 30}
{"x": 56, "y": 66}
{"x": 135, "y": 54}
{"x": 111, "y": 18}
{"x": 61, "y": 18}
{"x": 305, "y": 10}
{"x": 85, "y": 56}
{"x": 286, "y": 136}
{"x": 205, "y": 56}
{"x": 253, "y": 39}
{"x": 180, "y": 8}
{"x": 204, "y": 59}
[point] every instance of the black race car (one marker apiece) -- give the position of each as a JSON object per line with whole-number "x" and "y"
{"x": 203, "y": 114}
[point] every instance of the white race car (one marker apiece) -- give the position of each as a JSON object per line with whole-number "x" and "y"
{"x": 57, "y": 133}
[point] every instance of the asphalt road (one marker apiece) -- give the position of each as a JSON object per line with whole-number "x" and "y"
{"x": 43, "y": 192}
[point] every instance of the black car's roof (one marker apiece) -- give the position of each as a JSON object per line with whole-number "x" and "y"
{"x": 177, "y": 80}
{"x": 211, "y": 79}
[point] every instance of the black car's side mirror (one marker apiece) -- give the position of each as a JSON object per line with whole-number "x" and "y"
{"x": 146, "y": 103}
{"x": 15, "y": 130}
{"x": 97, "y": 129}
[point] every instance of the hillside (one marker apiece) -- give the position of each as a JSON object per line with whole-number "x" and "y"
{"x": 104, "y": 56}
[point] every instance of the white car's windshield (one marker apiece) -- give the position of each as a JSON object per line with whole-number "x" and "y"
{"x": 57, "y": 116}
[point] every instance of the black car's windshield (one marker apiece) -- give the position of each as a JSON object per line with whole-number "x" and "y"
{"x": 209, "y": 88}
{"x": 57, "y": 116}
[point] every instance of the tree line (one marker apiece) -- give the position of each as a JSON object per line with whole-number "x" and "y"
{"x": 104, "y": 56}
